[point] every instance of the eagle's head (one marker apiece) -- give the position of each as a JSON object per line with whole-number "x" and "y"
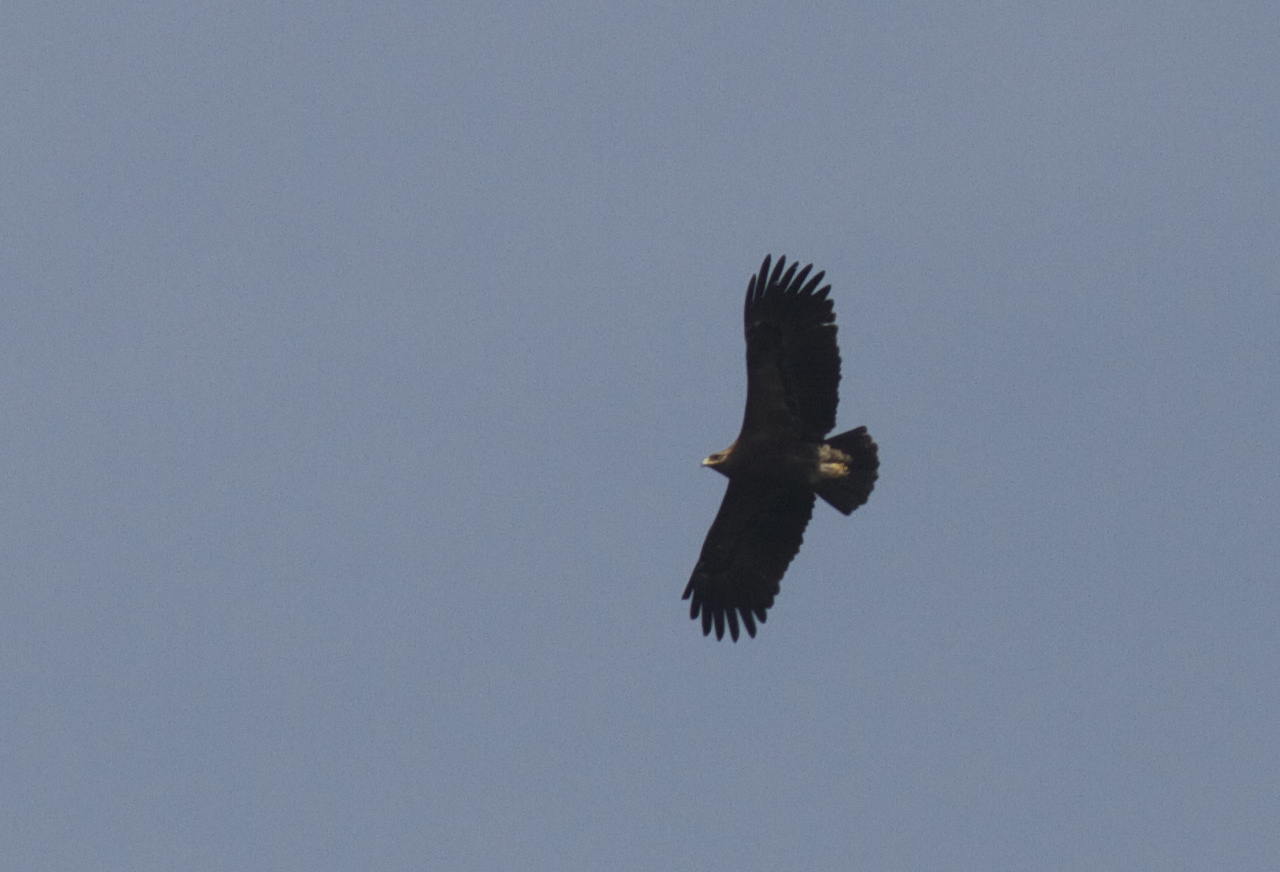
{"x": 719, "y": 460}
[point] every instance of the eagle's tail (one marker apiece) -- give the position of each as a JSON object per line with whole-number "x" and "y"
{"x": 847, "y": 490}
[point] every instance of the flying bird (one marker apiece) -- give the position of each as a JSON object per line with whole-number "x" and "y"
{"x": 781, "y": 458}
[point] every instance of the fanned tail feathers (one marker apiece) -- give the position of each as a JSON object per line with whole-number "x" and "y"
{"x": 845, "y": 493}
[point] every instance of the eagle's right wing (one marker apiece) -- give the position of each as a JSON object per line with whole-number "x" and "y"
{"x": 753, "y": 539}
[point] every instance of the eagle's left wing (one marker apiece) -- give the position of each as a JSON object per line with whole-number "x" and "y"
{"x": 793, "y": 362}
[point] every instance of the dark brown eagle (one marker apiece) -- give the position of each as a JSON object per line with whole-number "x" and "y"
{"x": 781, "y": 457}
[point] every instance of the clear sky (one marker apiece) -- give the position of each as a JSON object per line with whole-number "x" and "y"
{"x": 357, "y": 360}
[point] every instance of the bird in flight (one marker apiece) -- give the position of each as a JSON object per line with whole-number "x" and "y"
{"x": 782, "y": 457}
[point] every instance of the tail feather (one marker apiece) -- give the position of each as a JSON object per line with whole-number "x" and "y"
{"x": 851, "y": 490}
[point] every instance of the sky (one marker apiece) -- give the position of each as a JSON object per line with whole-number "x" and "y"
{"x": 357, "y": 361}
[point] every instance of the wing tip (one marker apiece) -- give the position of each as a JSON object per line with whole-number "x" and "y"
{"x": 786, "y": 279}
{"x": 733, "y": 618}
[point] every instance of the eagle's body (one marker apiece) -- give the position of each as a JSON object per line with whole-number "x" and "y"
{"x": 781, "y": 459}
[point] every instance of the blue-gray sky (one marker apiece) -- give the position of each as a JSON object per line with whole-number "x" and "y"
{"x": 358, "y": 360}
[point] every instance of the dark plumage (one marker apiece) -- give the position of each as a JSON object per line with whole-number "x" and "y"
{"x": 779, "y": 461}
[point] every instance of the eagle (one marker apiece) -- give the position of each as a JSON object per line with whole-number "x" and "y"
{"x": 782, "y": 457}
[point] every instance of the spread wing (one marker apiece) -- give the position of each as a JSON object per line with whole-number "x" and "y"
{"x": 793, "y": 363}
{"x": 755, "y": 535}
